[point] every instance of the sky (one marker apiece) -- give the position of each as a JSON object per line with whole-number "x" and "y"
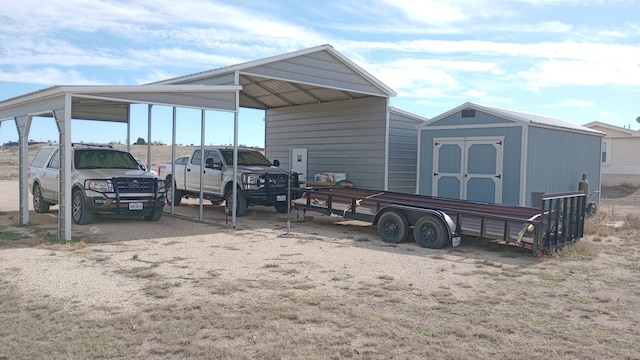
{"x": 574, "y": 60}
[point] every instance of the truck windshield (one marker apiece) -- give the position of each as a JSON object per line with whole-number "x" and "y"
{"x": 246, "y": 157}
{"x": 103, "y": 159}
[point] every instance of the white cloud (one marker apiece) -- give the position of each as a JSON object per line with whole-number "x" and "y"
{"x": 49, "y": 75}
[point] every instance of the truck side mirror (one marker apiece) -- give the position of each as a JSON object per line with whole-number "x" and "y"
{"x": 208, "y": 163}
{"x": 276, "y": 163}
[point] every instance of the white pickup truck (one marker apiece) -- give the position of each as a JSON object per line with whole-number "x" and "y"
{"x": 104, "y": 181}
{"x": 259, "y": 180}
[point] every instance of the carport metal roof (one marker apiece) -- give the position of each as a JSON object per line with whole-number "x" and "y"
{"x": 315, "y": 75}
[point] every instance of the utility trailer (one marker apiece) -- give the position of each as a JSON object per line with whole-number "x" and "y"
{"x": 438, "y": 222}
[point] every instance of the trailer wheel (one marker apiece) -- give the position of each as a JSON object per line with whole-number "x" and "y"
{"x": 430, "y": 232}
{"x": 393, "y": 227}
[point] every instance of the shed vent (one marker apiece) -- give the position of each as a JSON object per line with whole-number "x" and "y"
{"x": 468, "y": 113}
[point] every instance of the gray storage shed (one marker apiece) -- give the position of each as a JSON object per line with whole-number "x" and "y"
{"x": 326, "y": 113}
{"x": 495, "y": 155}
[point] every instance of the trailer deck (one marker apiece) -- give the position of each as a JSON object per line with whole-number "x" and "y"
{"x": 538, "y": 229}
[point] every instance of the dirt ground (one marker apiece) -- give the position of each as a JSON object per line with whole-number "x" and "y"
{"x": 308, "y": 288}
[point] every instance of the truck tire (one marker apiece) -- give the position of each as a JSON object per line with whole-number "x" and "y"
{"x": 172, "y": 195}
{"x": 40, "y": 205}
{"x": 154, "y": 215}
{"x": 393, "y": 227}
{"x": 241, "y": 208}
{"x": 79, "y": 211}
{"x": 282, "y": 207}
{"x": 430, "y": 232}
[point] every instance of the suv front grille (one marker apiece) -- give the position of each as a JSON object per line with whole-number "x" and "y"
{"x": 134, "y": 185}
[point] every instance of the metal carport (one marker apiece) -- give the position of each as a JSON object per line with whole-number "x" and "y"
{"x": 318, "y": 75}
{"x": 102, "y": 103}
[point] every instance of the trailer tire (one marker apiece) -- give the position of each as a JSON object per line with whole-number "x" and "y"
{"x": 430, "y": 232}
{"x": 393, "y": 227}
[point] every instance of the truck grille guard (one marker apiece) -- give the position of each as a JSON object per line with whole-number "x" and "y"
{"x": 270, "y": 182}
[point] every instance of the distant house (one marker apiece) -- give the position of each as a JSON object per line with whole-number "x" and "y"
{"x": 488, "y": 154}
{"x": 620, "y": 149}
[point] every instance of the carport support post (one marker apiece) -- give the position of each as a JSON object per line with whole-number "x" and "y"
{"x": 235, "y": 170}
{"x": 202, "y": 161}
{"x": 64, "y": 209}
{"x": 23, "y": 124}
{"x": 148, "y": 162}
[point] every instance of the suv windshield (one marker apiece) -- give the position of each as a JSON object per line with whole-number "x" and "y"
{"x": 103, "y": 159}
{"x": 246, "y": 157}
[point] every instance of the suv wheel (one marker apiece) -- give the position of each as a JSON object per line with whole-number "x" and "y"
{"x": 79, "y": 211}
{"x": 40, "y": 205}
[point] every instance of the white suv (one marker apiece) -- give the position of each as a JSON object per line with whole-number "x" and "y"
{"x": 104, "y": 181}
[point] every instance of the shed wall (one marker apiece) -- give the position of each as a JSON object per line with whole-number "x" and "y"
{"x": 403, "y": 153}
{"x": 557, "y": 159}
{"x": 342, "y": 136}
{"x": 480, "y": 118}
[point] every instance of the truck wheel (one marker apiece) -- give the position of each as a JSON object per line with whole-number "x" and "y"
{"x": 40, "y": 205}
{"x": 393, "y": 227}
{"x": 155, "y": 215}
{"x": 429, "y": 232}
{"x": 171, "y": 195}
{"x": 241, "y": 208}
{"x": 79, "y": 211}
{"x": 282, "y": 207}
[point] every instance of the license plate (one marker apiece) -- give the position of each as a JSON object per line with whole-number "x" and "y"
{"x": 135, "y": 206}
{"x": 281, "y": 197}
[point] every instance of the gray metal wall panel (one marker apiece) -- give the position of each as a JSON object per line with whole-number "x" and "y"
{"x": 511, "y": 162}
{"x": 481, "y": 118}
{"x": 403, "y": 153}
{"x": 319, "y": 68}
{"x": 342, "y": 136}
{"x": 557, "y": 159}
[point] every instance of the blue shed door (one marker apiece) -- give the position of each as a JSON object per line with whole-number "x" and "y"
{"x": 469, "y": 168}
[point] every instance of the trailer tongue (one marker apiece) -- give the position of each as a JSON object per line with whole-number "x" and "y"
{"x": 439, "y": 222}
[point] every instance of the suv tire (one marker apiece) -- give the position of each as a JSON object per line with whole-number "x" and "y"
{"x": 79, "y": 211}
{"x": 40, "y": 205}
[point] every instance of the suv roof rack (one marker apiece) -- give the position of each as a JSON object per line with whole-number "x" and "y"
{"x": 93, "y": 144}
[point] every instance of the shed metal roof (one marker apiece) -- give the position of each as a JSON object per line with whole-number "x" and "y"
{"x": 517, "y": 116}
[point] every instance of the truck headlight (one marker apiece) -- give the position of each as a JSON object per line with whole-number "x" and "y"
{"x": 161, "y": 185}
{"x": 250, "y": 181}
{"x": 99, "y": 185}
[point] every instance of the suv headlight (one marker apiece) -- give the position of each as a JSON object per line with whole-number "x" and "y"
{"x": 99, "y": 185}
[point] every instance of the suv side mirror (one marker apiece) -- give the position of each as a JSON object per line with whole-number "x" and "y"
{"x": 276, "y": 163}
